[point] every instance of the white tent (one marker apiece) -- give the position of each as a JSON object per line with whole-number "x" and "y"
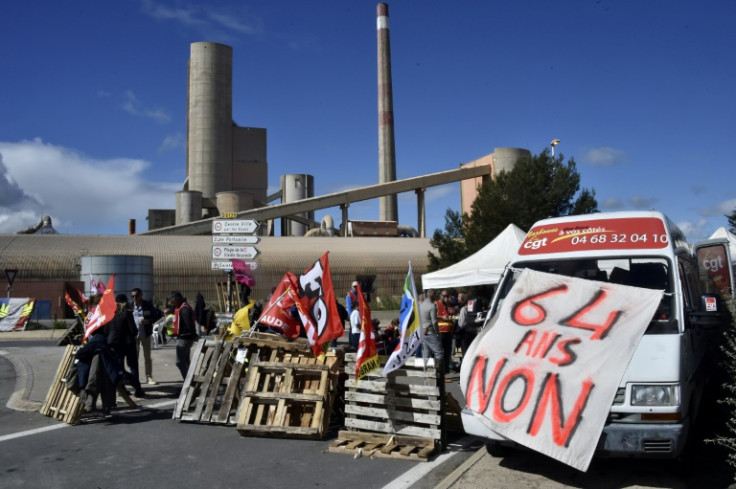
{"x": 722, "y": 232}
{"x": 483, "y": 267}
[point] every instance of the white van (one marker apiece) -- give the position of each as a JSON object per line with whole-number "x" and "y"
{"x": 658, "y": 396}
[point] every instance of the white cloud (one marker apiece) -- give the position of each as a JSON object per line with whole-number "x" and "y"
{"x": 723, "y": 208}
{"x": 81, "y": 194}
{"x": 695, "y": 231}
{"x": 213, "y": 23}
{"x": 133, "y": 106}
{"x": 643, "y": 203}
{"x": 604, "y": 156}
{"x": 172, "y": 142}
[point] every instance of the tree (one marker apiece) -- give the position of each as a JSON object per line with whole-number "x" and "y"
{"x": 536, "y": 188}
{"x": 450, "y": 243}
{"x": 732, "y": 220}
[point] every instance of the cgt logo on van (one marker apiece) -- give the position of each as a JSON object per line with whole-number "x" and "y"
{"x": 603, "y": 234}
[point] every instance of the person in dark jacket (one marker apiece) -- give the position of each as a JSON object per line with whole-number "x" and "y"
{"x": 184, "y": 330}
{"x": 121, "y": 332}
{"x": 144, "y": 314}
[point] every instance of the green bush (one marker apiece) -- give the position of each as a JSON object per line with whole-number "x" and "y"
{"x": 386, "y": 303}
{"x": 60, "y": 325}
{"x": 727, "y": 362}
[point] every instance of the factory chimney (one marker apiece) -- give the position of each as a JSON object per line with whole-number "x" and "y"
{"x": 388, "y": 205}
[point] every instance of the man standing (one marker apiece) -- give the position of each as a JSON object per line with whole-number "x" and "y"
{"x": 355, "y": 325}
{"x": 184, "y": 330}
{"x": 351, "y": 299}
{"x": 144, "y": 314}
{"x": 444, "y": 324}
{"x": 428, "y": 315}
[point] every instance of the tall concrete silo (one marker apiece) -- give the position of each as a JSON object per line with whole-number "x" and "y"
{"x": 209, "y": 119}
{"x": 296, "y": 187}
{"x": 388, "y": 205}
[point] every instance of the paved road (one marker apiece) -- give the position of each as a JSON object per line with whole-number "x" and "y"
{"x": 145, "y": 447}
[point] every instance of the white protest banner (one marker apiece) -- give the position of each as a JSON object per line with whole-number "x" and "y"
{"x": 546, "y": 373}
{"x": 14, "y": 313}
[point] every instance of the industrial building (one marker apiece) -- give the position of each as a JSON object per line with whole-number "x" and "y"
{"x": 227, "y": 174}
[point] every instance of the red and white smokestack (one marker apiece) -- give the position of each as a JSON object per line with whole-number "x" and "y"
{"x": 388, "y": 205}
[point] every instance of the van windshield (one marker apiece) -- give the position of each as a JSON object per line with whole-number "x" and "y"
{"x": 649, "y": 273}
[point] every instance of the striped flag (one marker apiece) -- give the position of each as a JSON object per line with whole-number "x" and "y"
{"x": 411, "y": 334}
{"x": 367, "y": 356}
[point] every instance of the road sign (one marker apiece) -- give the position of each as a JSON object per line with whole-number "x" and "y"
{"x": 230, "y": 252}
{"x": 228, "y": 265}
{"x": 10, "y": 274}
{"x": 246, "y": 226}
{"x": 236, "y": 239}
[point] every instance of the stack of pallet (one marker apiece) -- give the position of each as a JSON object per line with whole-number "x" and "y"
{"x": 396, "y": 416}
{"x": 289, "y": 393}
{"x": 264, "y": 383}
{"x": 64, "y": 404}
{"x": 61, "y": 403}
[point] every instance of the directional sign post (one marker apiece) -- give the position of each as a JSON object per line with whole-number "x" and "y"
{"x": 237, "y": 239}
{"x": 244, "y": 226}
{"x": 237, "y": 252}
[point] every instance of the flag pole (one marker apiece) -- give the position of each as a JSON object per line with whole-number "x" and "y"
{"x": 253, "y": 326}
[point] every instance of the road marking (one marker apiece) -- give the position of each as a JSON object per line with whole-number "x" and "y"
{"x": 36, "y": 431}
{"x": 32, "y": 432}
{"x": 420, "y": 470}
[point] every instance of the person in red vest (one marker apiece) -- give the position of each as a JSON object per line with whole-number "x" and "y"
{"x": 184, "y": 330}
{"x": 351, "y": 299}
{"x": 444, "y": 323}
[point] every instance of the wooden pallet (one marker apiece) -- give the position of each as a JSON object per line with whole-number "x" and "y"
{"x": 63, "y": 404}
{"x": 408, "y": 403}
{"x": 374, "y": 445}
{"x": 215, "y": 382}
{"x": 289, "y": 394}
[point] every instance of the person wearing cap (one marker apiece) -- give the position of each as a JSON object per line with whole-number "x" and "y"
{"x": 351, "y": 299}
{"x": 121, "y": 332}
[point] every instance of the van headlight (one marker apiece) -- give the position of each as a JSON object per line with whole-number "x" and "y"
{"x": 655, "y": 395}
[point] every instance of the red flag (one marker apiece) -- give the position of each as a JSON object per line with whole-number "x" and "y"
{"x": 277, "y": 315}
{"x": 75, "y": 299}
{"x": 104, "y": 311}
{"x": 367, "y": 356}
{"x": 317, "y": 306}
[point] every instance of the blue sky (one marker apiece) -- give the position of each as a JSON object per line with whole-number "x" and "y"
{"x": 641, "y": 94}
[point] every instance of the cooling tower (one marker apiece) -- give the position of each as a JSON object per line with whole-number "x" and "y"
{"x": 209, "y": 119}
{"x": 388, "y": 205}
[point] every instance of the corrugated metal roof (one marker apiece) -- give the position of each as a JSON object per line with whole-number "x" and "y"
{"x": 186, "y": 260}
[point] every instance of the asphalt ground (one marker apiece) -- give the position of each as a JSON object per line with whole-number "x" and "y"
{"x": 35, "y": 358}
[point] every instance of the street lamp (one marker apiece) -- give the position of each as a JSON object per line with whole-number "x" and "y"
{"x": 554, "y": 143}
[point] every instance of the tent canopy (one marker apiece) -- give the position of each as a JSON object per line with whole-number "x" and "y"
{"x": 485, "y": 266}
{"x": 722, "y": 232}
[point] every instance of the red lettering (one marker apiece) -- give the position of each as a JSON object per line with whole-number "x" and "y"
{"x": 568, "y": 355}
{"x": 527, "y": 312}
{"x": 562, "y": 430}
{"x": 500, "y": 413}
{"x": 600, "y": 330}
{"x": 543, "y": 345}
{"x": 476, "y": 383}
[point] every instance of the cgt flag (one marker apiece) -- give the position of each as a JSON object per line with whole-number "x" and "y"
{"x": 411, "y": 334}
{"x": 315, "y": 301}
{"x": 277, "y": 315}
{"x": 104, "y": 311}
{"x": 367, "y": 356}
